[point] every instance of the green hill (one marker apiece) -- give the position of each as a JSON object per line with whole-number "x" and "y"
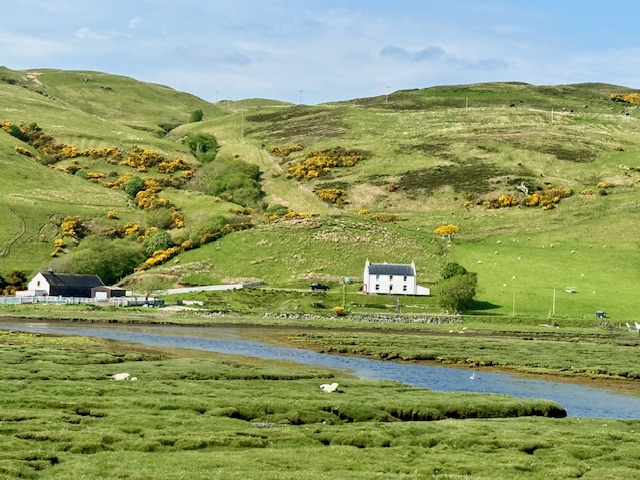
{"x": 541, "y": 180}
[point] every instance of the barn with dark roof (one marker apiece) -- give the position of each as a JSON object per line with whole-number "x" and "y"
{"x": 64, "y": 284}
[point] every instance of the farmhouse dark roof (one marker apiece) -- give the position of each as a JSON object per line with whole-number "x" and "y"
{"x": 72, "y": 280}
{"x": 391, "y": 269}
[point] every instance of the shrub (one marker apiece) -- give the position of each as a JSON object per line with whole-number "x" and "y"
{"x": 23, "y": 151}
{"x": 203, "y": 146}
{"x": 385, "y": 217}
{"x": 159, "y": 240}
{"x": 336, "y": 196}
{"x": 133, "y": 185}
{"x": 232, "y": 180}
{"x": 72, "y": 227}
{"x": 320, "y": 163}
{"x": 277, "y": 209}
{"x": 447, "y": 231}
{"x": 196, "y": 116}
{"x": 339, "y": 311}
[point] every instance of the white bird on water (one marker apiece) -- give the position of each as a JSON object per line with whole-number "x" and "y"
{"x": 473, "y": 376}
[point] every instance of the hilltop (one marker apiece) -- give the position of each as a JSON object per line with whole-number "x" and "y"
{"x": 541, "y": 180}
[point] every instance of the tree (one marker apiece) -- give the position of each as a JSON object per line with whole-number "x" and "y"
{"x": 17, "y": 279}
{"x": 196, "y": 116}
{"x": 456, "y": 293}
{"x": 151, "y": 285}
{"x": 452, "y": 269}
{"x": 111, "y": 260}
{"x": 447, "y": 231}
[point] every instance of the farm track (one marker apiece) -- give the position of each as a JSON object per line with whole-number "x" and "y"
{"x": 5, "y": 248}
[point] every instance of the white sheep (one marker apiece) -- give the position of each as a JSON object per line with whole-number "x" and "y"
{"x": 133, "y": 379}
{"x": 329, "y": 388}
{"x": 121, "y": 376}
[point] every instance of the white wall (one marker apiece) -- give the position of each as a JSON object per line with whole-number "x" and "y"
{"x": 398, "y": 285}
{"x": 39, "y": 283}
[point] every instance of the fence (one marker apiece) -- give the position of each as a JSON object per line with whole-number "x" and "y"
{"x": 60, "y": 300}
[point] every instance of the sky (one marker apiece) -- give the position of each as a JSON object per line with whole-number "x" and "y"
{"x": 311, "y": 52}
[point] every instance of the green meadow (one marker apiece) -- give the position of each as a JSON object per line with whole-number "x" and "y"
{"x": 202, "y": 415}
{"x": 425, "y": 153}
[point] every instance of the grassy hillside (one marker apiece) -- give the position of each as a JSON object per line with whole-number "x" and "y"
{"x": 421, "y": 158}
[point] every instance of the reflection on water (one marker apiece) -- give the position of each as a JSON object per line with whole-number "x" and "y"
{"x": 577, "y": 400}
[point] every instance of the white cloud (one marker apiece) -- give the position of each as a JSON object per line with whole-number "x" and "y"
{"x": 86, "y": 32}
{"x": 135, "y": 22}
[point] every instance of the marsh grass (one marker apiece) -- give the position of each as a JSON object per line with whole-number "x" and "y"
{"x": 215, "y": 416}
{"x": 534, "y": 352}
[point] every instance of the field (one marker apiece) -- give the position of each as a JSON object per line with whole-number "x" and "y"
{"x": 425, "y": 152}
{"x": 201, "y": 415}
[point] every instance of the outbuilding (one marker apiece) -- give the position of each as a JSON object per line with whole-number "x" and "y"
{"x": 105, "y": 293}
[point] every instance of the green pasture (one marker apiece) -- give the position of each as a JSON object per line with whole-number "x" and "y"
{"x": 437, "y": 147}
{"x": 217, "y": 416}
{"x": 296, "y": 252}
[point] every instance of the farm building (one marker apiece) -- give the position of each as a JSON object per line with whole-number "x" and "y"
{"x": 104, "y": 293}
{"x": 391, "y": 279}
{"x": 64, "y": 284}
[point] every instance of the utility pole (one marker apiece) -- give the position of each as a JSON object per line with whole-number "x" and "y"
{"x": 553, "y": 303}
{"x": 386, "y": 97}
{"x": 300, "y": 101}
{"x": 466, "y": 105}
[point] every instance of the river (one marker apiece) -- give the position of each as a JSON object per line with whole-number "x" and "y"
{"x": 577, "y": 400}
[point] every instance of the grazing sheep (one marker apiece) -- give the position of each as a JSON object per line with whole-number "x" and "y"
{"x": 133, "y": 379}
{"x": 121, "y": 376}
{"x": 329, "y": 388}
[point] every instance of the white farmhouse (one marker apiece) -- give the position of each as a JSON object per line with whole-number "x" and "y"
{"x": 391, "y": 279}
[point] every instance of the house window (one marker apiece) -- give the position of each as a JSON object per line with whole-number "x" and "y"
{"x": 390, "y": 287}
{"x": 377, "y": 287}
{"x": 390, "y": 277}
{"x": 38, "y": 282}
{"x": 404, "y": 288}
{"x": 405, "y": 278}
{"x": 377, "y": 277}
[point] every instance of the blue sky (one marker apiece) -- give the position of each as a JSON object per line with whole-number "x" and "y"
{"x": 326, "y": 50}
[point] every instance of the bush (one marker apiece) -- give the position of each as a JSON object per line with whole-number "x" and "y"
{"x": 160, "y": 218}
{"x": 233, "y": 180}
{"x": 212, "y": 226}
{"x": 160, "y": 240}
{"x": 277, "y": 209}
{"x": 203, "y": 146}
{"x": 133, "y": 185}
{"x": 196, "y": 116}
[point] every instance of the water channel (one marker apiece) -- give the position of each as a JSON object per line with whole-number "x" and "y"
{"x": 577, "y": 400}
